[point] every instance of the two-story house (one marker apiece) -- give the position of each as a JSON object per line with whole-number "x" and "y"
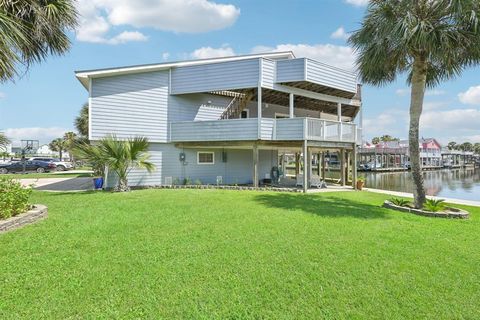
{"x": 229, "y": 120}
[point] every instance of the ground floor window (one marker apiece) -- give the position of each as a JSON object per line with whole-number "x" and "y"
{"x": 205, "y": 157}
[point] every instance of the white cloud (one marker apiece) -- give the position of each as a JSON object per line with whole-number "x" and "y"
{"x": 471, "y": 96}
{"x": 339, "y": 56}
{"x": 209, "y": 52}
{"x": 165, "y": 55}
{"x": 339, "y": 34}
{"x": 127, "y": 36}
{"x": 44, "y": 135}
{"x": 2, "y": 95}
{"x": 357, "y": 3}
{"x": 188, "y": 16}
{"x": 451, "y": 121}
{"x": 392, "y": 121}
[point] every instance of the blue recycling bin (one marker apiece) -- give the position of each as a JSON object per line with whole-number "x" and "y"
{"x": 98, "y": 183}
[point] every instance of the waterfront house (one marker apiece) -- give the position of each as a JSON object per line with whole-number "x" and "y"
{"x": 230, "y": 120}
{"x": 430, "y": 152}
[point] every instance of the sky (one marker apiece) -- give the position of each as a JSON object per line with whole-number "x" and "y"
{"x": 43, "y": 103}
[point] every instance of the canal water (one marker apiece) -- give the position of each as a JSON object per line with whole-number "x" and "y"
{"x": 448, "y": 183}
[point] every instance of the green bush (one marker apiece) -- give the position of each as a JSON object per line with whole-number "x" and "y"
{"x": 434, "y": 205}
{"x": 13, "y": 198}
{"x": 399, "y": 202}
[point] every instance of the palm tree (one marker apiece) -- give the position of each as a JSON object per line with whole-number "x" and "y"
{"x": 30, "y": 30}
{"x": 59, "y": 145}
{"x": 120, "y": 156}
{"x": 430, "y": 40}
{"x": 4, "y": 141}
{"x": 476, "y": 148}
{"x": 81, "y": 121}
{"x": 70, "y": 139}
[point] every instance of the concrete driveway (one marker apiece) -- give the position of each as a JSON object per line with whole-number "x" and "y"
{"x": 60, "y": 184}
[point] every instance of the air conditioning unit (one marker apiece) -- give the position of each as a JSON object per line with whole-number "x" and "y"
{"x": 168, "y": 181}
{"x": 219, "y": 180}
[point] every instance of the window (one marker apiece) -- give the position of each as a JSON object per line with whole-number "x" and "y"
{"x": 245, "y": 114}
{"x": 205, "y": 157}
{"x": 281, "y": 115}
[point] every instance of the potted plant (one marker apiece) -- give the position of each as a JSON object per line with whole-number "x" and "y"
{"x": 360, "y": 183}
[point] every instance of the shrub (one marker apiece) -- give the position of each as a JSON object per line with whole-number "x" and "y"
{"x": 434, "y": 205}
{"x": 187, "y": 181}
{"x": 198, "y": 182}
{"x": 399, "y": 202}
{"x": 13, "y": 198}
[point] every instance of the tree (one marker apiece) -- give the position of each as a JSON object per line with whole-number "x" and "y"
{"x": 387, "y": 138}
{"x": 31, "y": 30}
{"x": 70, "y": 139}
{"x": 59, "y": 145}
{"x": 120, "y": 156}
{"x": 452, "y": 145}
{"x": 4, "y": 141}
{"x": 81, "y": 121}
{"x": 430, "y": 40}
{"x": 376, "y": 140}
{"x": 466, "y": 146}
{"x": 476, "y": 148}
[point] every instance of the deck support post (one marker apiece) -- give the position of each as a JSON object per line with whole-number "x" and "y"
{"x": 255, "y": 166}
{"x": 291, "y": 105}
{"x": 323, "y": 166}
{"x": 339, "y": 119}
{"x": 305, "y": 166}
{"x": 342, "y": 167}
{"x": 259, "y": 111}
{"x": 354, "y": 168}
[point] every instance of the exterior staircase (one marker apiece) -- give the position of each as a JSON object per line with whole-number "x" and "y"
{"x": 237, "y": 104}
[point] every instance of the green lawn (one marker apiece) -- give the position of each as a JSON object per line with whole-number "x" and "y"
{"x": 34, "y": 175}
{"x": 202, "y": 254}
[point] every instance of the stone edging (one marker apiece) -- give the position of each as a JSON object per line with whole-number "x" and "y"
{"x": 458, "y": 213}
{"x": 277, "y": 189}
{"x": 38, "y": 212}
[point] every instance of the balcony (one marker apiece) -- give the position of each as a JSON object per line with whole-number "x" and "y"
{"x": 290, "y": 129}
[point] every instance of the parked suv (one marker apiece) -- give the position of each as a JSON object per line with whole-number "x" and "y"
{"x": 61, "y": 165}
{"x": 18, "y": 166}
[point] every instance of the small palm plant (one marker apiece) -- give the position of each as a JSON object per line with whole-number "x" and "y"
{"x": 120, "y": 156}
{"x": 434, "y": 205}
{"x": 399, "y": 202}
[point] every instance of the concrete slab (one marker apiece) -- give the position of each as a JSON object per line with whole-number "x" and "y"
{"x": 59, "y": 184}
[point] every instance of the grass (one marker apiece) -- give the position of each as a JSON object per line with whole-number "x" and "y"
{"x": 34, "y": 175}
{"x": 205, "y": 254}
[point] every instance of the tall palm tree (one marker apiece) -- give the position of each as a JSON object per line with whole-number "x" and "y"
{"x": 70, "y": 140}
{"x": 59, "y": 145}
{"x": 81, "y": 121}
{"x": 30, "y": 30}
{"x": 429, "y": 40}
{"x": 452, "y": 145}
{"x": 120, "y": 156}
{"x": 4, "y": 141}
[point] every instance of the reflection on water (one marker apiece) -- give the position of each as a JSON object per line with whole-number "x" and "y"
{"x": 455, "y": 183}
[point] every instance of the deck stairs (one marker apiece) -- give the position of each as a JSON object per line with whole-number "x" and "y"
{"x": 237, "y": 105}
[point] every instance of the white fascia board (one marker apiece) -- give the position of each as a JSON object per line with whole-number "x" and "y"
{"x": 315, "y": 95}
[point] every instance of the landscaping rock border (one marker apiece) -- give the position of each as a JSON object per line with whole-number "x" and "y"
{"x": 38, "y": 212}
{"x": 223, "y": 187}
{"x": 457, "y": 214}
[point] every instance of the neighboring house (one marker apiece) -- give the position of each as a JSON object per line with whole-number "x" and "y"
{"x": 383, "y": 155}
{"x": 226, "y": 120}
{"x": 430, "y": 152}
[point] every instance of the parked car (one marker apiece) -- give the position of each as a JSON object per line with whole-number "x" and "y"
{"x": 373, "y": 165}
{"x": 61, "y": 165}
{"x": 30, "y": 166}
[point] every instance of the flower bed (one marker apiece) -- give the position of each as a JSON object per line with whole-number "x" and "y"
{"x": 448, "y": 212}
{"x": 37, "y": 212}
{"x": 221, "y": 187}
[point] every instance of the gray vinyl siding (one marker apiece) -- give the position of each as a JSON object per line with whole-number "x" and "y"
{"x": 216, "y": 76}
{"x": 268, "y": 73}
{"x": 223, "y": 130}
{"x": 238, "y": 167}
{"x": 290, "y": 129}
{"x": 130, "y": 105}
{"x": 290, "y": 70}
{"x": 330, "y": 76}
{"x": 295, "y": 70}
{"x": 267, "y": 129}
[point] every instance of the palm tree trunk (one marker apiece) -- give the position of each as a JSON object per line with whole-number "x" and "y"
{"x": 419, "y": 77}
{"x": 60, "y": 154}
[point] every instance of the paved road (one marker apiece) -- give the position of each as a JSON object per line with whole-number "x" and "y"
{"x": 60, "y": 184}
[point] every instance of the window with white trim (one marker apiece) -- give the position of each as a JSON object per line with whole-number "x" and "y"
{"x": 205, "y": 157}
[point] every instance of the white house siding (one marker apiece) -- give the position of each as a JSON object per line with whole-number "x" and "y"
{"x": 330, "y": 76}
{"x": 216, "y": 76}
{"x": 237, "y": 169}
{"x": 130, "y": 105}
{"x": 268, "y": 73}
{"x": 290, "y": 70}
